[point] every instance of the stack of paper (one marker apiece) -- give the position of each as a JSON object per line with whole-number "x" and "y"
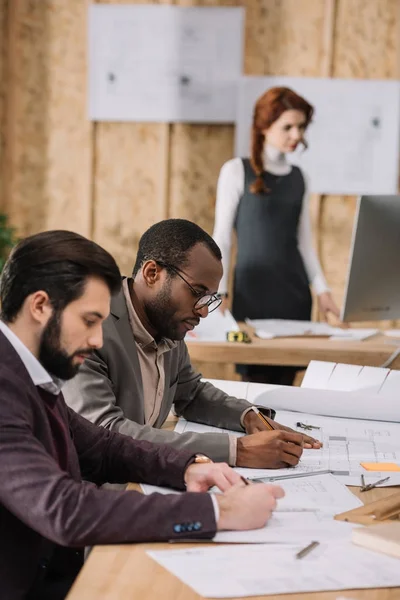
{"x": 271, "y": 328}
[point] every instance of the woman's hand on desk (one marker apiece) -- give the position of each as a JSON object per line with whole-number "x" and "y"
{"x": 253, "y": 425}
{"x": 247, "y": 506}
{"x": 326, "y": 305}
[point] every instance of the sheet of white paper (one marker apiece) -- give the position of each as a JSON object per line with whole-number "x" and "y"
{"x": 319, "y": 492}
{"x": 353, "y": 335}
{"x": 391, "y": 385}
{"x": 269, "y": 328}
{"x": 346, "y": 378}
{"x": 288, "y": 527}
{"x": 274, "y": 569}
{"x": 190, "y": 57}
{"x": 317, "y": 374}
{"x": 346, "y": 443}
{"x": 341, "y": 374}
{"x": 392, "y": 333}
{"x": 157, "y": 489}
{"x": 214, "y": 328}
{"x": 354, "y": 404}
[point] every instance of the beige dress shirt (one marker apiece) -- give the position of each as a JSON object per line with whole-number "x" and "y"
{"x": 151, "y": 359}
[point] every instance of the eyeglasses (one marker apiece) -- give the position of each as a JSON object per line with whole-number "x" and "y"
{"x": 212, "y": 301}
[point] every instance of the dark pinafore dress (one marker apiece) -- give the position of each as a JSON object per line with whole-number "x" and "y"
{"x": 270, "y": 278}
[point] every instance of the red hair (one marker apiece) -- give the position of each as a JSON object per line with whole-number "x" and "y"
{"x": 269, "y": 107}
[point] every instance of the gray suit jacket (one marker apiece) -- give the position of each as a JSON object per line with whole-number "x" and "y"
{"x": 43, "y": 507}
{"x": 108, "y": 391}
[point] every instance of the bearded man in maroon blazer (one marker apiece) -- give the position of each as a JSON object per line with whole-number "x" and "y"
{"x": 55, "y": 293}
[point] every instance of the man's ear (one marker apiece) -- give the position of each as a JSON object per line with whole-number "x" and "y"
{"x": 40, "y": 307}
{"x": 151, "y": 272}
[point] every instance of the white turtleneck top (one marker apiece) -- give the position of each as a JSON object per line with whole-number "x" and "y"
{"x": 230, "y": 189}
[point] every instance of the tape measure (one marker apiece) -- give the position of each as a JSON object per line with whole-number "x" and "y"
{"x": 238, "y": 336}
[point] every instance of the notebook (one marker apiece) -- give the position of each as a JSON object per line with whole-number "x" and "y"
{"x": 384, "y": 537}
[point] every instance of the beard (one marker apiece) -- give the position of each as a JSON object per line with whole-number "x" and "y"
{"x": 160, "y": 312}
{"x": 53, "y": 358}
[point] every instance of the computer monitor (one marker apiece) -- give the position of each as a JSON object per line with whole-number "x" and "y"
{"x": 373, "y": 278}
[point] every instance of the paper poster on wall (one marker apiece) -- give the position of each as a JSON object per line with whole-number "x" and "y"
{"x": 353, "y": 141}
{"x": 164, "y": 63}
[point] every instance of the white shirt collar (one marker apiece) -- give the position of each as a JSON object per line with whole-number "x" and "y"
{"x": 38, "y": 374}
{"x": 275, "y": 161}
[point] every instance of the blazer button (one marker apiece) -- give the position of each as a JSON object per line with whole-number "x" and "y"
{"x": 177, "y": 528}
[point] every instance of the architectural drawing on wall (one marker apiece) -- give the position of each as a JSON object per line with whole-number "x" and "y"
{"x": 164, "y": 63}
{"x": 353, "y": 139}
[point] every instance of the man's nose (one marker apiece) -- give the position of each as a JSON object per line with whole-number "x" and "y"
{"x": 96, "y": 340}
{"x": 202, "y": 312}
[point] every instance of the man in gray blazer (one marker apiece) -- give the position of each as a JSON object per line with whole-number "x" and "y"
{"x": 143, "y": 368}
{"x": 54, "y": 294}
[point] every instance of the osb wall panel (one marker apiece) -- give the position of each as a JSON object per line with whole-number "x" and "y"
{"x": 129, "y": 185}
{"x": 197, "y": 154}
{"x": 69, "y": 142}
{"x": 367, "y": 39}
{"x": 26, "y": 135}
{"x": 47, "y": 145}
{"x": 284, "y": 37}
{"x": 130, "y": 181}
{"x": 3, "y": 38}
{"x": 366, "y": 45}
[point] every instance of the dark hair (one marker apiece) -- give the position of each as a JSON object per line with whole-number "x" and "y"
{"x": 269, "y": 107}
{"x": 170, "y": 242}
{"x": 57, "y": 262}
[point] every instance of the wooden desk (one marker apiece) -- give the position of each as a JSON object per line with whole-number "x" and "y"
{"x": 296, "y": 351}
{"x": 125, "y": 572}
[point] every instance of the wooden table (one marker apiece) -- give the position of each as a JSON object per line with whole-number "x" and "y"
{"x": 125, "y": 572}
{"x": 294, "y": 351}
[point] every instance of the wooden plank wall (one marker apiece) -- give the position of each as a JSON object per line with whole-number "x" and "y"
{"x": 112, "y": 180}
{"x": 3, "y": 84}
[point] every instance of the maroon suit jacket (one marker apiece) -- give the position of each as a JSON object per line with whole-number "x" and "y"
{"x": 42, "y": 505}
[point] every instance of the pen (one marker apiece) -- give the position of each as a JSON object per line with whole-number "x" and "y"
{"x": 245, "y": 481}
{"x": 302, "y": 553}
{"x": 263, "y": 419}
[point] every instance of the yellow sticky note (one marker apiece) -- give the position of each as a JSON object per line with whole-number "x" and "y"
{"x": 380, "y": 466}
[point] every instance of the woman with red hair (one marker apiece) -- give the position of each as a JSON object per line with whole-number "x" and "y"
{"x": 264, "y": 198}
